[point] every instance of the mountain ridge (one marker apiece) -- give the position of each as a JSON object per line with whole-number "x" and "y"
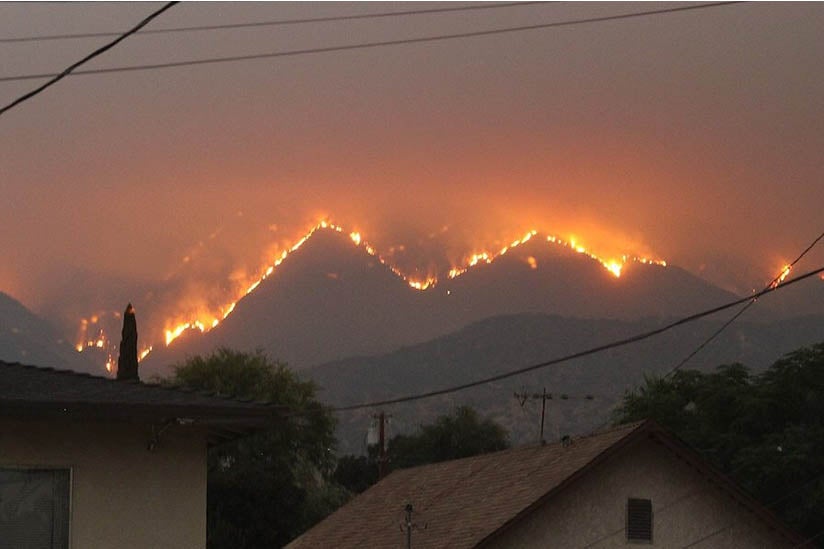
{"x": 509, "y": 342}
{"x": 28, "y": 339}
{"x": 331, "y": 299}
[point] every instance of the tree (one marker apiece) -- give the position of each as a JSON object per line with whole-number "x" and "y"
{"x": 452, "y": 436}
{"x": 357, "y": 473}
{"x": 265, "y": 489}
{"x": 766, "y": 431}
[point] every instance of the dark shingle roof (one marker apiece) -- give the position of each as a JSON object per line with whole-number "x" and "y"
{"x": 466, "y": 502}
{"x": 31, "y": 391}
{"x": 471, "y": 497}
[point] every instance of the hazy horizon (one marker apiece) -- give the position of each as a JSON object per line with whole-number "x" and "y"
{"x": 692, "y": 137}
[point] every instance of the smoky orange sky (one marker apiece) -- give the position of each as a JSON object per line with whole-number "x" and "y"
{"x": 695, "y": 137}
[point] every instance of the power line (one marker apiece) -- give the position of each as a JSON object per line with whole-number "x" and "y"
{"x": 773, "y": 284}
{"x": 523, "y": 396}
{"x": 591, "y": 351}
{"x": 280, "y": 22}
{"x": 377, "y": 44}
{"x": 775, "y": 281}
{"x": 56, "y": 78}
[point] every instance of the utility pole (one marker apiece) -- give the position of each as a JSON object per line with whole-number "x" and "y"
{"x": 544, "y": 396}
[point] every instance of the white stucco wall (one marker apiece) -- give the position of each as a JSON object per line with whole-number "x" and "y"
{"x": 686, "y": 508}
{"x": 122, "y": 495}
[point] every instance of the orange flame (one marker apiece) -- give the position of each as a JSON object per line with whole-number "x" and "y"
{"x": 785, "y": 272}
{"x": 144, "y": 353}
{"x": 614, "y": 266}
{"x": 206, "y": 319}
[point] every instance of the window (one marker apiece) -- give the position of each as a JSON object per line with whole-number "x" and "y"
{"x": 639, "y": 520}
{"x": 34, "y": 508}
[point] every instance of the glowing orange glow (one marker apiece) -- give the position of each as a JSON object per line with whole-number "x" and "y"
{"x": 785, "y": 272}
{"x": 422, "y": 284}
{"x": 174, "y": 333}
{"x": 206, "y": 321}
{"x": 614, "y": 266}
{"x": 205, "y": 318}
{"x": 143, "y": 353}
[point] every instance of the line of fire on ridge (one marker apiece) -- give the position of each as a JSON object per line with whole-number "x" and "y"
{"x": 484, "y": 257}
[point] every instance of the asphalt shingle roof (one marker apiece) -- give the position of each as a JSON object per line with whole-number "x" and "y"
{"x": 31, "y": 391}
{"x": 496, "y": 487}
{"x": 465, "y": 503}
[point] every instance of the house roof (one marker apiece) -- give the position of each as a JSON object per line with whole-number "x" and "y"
{"x": 467, "y": 502}
{"x": 32, "y": 392}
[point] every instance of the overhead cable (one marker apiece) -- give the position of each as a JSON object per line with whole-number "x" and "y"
{"x": 376, "y": 44}
{"x": 57, "y": 77}
{"x": 743, "y": 309}
{"x": 280, "y": 22}
{"x": 587, "y": 352}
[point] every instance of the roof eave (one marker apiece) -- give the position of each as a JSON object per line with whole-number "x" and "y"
{"x": 650, "y": 428}
{"x": 143, "y": 412}
{"x": 597, "y": 460}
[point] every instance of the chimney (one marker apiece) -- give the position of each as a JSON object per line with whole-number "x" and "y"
{"x": 127, "y": 361}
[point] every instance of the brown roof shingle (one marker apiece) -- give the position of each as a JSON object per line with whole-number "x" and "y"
{"x": 467, "y": 502}
{"x": 497, "y": 487}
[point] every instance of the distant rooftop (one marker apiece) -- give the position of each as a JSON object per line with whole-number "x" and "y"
{"x": 466, "y": 502}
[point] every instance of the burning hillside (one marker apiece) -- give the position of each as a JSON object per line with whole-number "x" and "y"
{"x": 166, "y": 323}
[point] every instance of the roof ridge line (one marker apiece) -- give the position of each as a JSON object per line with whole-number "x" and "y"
{"x": 138, "y": 382}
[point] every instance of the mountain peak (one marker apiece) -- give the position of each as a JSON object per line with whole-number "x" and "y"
{"x": 334, "y": 296}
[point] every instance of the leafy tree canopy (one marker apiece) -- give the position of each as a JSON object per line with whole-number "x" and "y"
{"x": 459, "y": 434}
{"x": 765, "y": 430}
{"x": 452, "y": 436}
{"x": 265, "y": 489}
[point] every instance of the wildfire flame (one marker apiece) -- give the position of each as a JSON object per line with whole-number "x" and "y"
{"x": 614, "y": 266}
{"x": 785, "y": 272}
{"x": 206, "y": 320}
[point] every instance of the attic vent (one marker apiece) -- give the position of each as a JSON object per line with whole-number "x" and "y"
{"x": 639, "y": 520}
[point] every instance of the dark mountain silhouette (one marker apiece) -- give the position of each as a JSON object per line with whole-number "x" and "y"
{"x": 505, "y": 343}
{"x": 330, "y": 299}
{"x": 804, "y": 298}
{"x": 28, "y": 339}
{"x": 571, "y": 284}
